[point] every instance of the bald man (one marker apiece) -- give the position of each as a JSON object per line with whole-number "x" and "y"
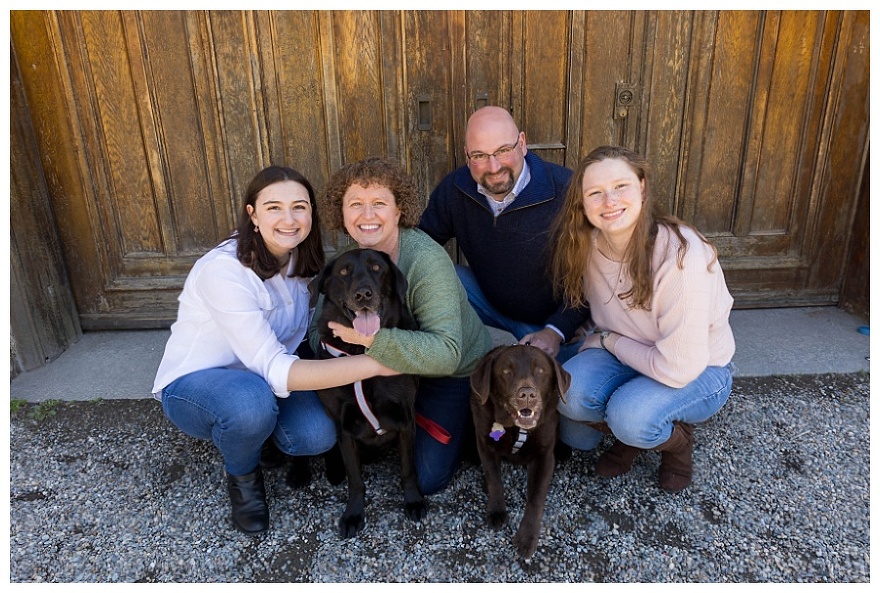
{"x": 500, "y": 207}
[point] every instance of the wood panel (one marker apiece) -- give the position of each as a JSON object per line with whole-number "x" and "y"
{"x": 541, "y": 86}
{"x": 733, "y": 113}
{"x": 847, "y": 141}
{"x": 149, "y": 124}
{"x": 606, "y": 62}
{"x": 427, "y": 72}
{"x": 669, "y": 45}
{"x": 855, "y": 294}
{"x": 43, "y": 320}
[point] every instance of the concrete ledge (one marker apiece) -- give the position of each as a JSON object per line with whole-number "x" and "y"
{"x": 122, "y": 364}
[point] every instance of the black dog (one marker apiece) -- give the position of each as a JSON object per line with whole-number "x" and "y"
{"x": 363, "y": 289}
{"x": 514, "y": 394}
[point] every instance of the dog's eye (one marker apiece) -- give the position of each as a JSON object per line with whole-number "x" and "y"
{"x": 540, "y": 370}
{"x": 505, "y": 371}
{"x": 376, "y": 267}
{"x": 343, "y": 271}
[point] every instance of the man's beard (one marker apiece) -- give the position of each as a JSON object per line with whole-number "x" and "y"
{"x": 501, "y": 188}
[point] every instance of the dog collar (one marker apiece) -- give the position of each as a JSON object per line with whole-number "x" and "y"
{"x": 520, "y": 439}
{"x": 358, "y": 393}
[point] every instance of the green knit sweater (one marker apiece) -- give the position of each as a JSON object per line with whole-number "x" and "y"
{"x": 451, "y": 339}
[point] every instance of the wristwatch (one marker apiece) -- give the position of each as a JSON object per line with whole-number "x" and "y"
{"x": 602, "y": 338}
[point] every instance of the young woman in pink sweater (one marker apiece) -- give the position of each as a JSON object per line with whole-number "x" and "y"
{"x": 660, "y": 358}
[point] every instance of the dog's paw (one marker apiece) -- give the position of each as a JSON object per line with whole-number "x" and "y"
{"x": 416, "y": 511}
{"x": 525, "y": 544}
{"x": 497, "y": 519}
{"x": 351, "y": 525}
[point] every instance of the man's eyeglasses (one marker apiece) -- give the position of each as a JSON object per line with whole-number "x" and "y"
{"x": 502, "y": 154}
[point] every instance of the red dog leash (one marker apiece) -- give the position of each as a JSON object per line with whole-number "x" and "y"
{"x": 433, "y": 429}
{"x": 429, "y": 426}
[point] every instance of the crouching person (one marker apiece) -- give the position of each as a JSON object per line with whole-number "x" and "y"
{"x": 230, "y": 373}
{"x": 660, "y": 359}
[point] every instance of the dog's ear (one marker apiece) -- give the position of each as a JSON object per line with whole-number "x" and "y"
{"x": 481, "y": 378}
{"x": 316, "y": 285}
{"x": 563, "y": 380}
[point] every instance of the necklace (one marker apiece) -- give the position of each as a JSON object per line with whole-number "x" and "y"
{"x": 608, "y": 251}
{"x": 612, "y": 282}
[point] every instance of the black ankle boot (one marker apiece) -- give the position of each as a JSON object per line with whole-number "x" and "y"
{"x": 247, "y": 493}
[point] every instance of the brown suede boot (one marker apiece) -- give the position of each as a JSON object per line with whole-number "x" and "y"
{"x": 676, "y": 458}
{"x": 617, "y": 460}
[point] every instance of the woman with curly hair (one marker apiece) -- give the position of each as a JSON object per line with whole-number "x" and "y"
{"x": 660, "y": 358}
{"x": 376, "y": 203}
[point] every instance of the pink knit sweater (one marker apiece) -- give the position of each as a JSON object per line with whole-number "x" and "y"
{"x": 686, "y": 329}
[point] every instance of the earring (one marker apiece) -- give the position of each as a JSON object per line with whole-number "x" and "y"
{"x": 256, "y": 229}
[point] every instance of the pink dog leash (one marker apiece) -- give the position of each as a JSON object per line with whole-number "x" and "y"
{"x": 358, "y": 393}
{"x": 431, "y": 427}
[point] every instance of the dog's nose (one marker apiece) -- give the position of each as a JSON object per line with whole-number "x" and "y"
{"x": 527, "y": 393}
{"x": 363, "y": 294}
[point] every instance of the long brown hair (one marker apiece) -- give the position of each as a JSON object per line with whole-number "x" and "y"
{"x": 573, "y": 236}
{"x": 252, "y": 251}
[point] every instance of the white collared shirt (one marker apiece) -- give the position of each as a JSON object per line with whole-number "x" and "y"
{"x": 230, "y": 318}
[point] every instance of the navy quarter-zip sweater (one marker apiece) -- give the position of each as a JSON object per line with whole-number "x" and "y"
{"x": 508, "y": 254}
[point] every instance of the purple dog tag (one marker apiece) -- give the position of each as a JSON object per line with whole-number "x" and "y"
{"x": 497, "y": 432}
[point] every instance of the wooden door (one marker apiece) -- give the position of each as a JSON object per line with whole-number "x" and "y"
{"x": 756, "y": 124}
{"x": 745, "y": 116}
{"x": 150, "y": 124}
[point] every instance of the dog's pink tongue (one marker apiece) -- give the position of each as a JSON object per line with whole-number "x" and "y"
{"x": 366, "y": 323}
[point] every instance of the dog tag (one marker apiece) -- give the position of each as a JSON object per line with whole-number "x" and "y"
{"x": 497, "y": 431}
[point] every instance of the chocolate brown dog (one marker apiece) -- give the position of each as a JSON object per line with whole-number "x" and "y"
{"x": 363, "y": 289}
{"x": 514, "y": 394}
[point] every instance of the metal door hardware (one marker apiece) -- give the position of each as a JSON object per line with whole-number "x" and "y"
{"x": 625, "y": 96}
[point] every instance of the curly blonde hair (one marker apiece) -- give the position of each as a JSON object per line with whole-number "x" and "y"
{"x": 372, "y": 170}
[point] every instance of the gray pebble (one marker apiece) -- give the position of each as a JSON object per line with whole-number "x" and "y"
{"x": 110, "y": 491}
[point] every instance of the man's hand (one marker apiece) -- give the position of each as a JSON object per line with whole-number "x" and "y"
{"x": 546, "y": 339}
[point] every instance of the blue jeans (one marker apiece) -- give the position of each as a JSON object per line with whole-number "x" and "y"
{"x": 638, "y": 410}
{"x": 446, "y": 401}
{"x": 237, "y": 411}
{"x": 492, "y": 317}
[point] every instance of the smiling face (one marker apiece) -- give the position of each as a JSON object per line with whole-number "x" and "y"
{"x": 283, "y": 214}
{"x": 492, "y": 133}
{"x": 371, "y": 216}
{"x": 613, "y": 198}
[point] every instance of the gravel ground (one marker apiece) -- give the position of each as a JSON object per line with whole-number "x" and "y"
{"x": 110, "y": 491}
